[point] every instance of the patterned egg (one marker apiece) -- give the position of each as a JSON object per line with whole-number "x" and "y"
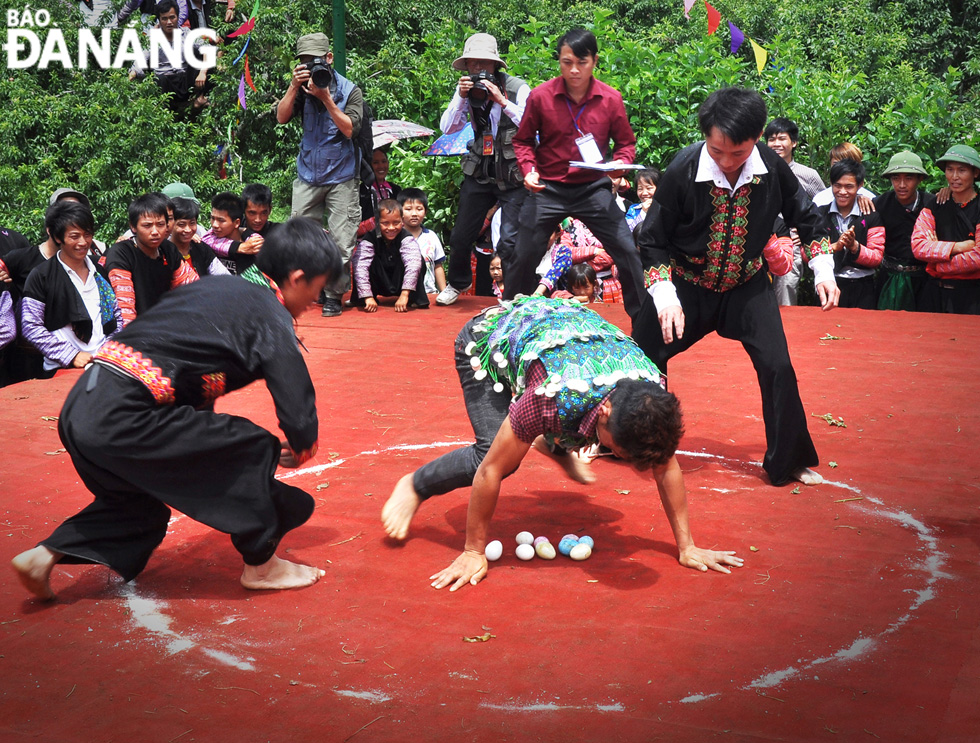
{"x": 566, "y": 544}
{"x": 494, "y": 550}
{"x": 539, "y": 540}
{"x": 580, "y": 552}
{"x": 525, "y": 537}
{"x": 587, "y": 540}
{"x": 524, "y": 552}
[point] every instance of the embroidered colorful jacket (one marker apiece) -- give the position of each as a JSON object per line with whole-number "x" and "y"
{"x": 189, "y": 349}
{"x": 938, "y": 228}
{"x": 714, "y": 238}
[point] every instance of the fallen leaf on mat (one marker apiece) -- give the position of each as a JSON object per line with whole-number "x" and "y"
{"x": 479, "y": 638}
{"x": 56, "y": 451}
{"x": 795, "y": 491}
{"x": 832, "y": 465}
{"x": 622, "y": 492}
{"x": 753, "y": 549}
{"x": 323, "y": 486}
{"x": 49, "y": 417}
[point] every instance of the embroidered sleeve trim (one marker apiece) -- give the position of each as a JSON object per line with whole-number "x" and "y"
{"x": 132, "y": 363}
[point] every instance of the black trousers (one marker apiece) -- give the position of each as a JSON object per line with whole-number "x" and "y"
{"x": 857, "y": 293}
{"x": 957, "y": 296}
{"x": 749, "y": 314}
{"x": 139, "y": 459}
{"x": 475, "y": 200}
{"x": 594, "y": 204}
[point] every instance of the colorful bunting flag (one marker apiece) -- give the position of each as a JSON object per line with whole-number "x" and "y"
{"x": 248, "y": 76}
{"x": 242, "y": 53}
{"x": 243, "y": 29}
{"x": 688, "y": 4}
{"x": 241, "y": 93}
{"x": 737, "y": 36}
{"x": 760, "y": 56}
{"x": 714, "y": 17}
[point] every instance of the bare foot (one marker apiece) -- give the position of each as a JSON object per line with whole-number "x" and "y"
{"x": 34, "y": 569}
{"x": 807, "y": 476}
{"x": 576, "y": 467}
{"x": 278, "y": 574}
{"x": 400, "y": 508}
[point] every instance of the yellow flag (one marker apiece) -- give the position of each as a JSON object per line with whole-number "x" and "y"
{"x": 760, "y": 56}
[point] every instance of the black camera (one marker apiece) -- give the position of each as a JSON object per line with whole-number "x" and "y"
{"x": 479, "y": 91}
{"x": 321, "y": 73}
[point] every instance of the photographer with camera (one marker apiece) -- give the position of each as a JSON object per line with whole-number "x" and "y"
{"x": 327, "y": 168}
{"x": 493, "y": 102}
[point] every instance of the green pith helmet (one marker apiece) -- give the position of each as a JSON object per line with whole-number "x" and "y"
{"x": 960, "y": 153}
{"x": 904, "y": 162}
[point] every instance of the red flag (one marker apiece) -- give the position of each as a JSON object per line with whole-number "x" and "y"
{"x": 248, "y": 76}
{"x": 243, "y": 29}
{"x": 714, "y": 17}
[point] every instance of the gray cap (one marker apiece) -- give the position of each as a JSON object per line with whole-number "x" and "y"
{"x": 478, "y": 46}
{"x": 904, "y": 162}
{"x": 63, "y": 193}
{"x": 316, "y": 45}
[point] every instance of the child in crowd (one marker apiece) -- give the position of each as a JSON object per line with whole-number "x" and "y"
{"x": 389, "y": 265}
{"x": 68, "y": 310}
{"x": 553, "y": 265}
{"x": 858, "y": 240}
{"x": 497, "y": 276}
{"x": 586, "y": 248}
{"x": 415, "y": 205}
{"x": 646, "y": 186}
{"x": 945, "y": 235}
{"x": 258, "y": 207}
{"x": 197, "y": 253}
{"x": 236, "y": 249}
{"x": 374, "y": 193}
{"x": 581, "y": 284}
{"x": 143, "y": 269}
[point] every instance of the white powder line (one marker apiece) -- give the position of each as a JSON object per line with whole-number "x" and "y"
{"x": 377, "y": 697}
{"x": 552, "y": 707}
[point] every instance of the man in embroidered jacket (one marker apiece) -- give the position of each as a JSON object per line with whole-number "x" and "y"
{"x": 703, "y": 252}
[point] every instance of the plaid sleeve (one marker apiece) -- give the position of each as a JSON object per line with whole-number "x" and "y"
{"x": 532, "y": 415}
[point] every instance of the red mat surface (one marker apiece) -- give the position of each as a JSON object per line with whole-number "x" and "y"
{"x": 854, "y": 618}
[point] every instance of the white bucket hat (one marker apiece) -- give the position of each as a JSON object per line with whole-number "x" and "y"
{"x": 479, "y": 46}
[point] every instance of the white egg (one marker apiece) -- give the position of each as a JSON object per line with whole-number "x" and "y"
{"x": 524, "y": 552}
{"x": 580, "y": 552}
{"x": 494, "y": 550}
{"x": 525, "y": 537}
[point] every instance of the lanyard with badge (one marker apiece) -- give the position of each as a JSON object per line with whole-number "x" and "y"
{"x": 586, "y": 143}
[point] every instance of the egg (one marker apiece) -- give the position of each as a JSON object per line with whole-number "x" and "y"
{"x": 573, "y": 537}
{"x": 524, "y": 552}
{"x": 587, "y": 540}
{"x": 580, "y": 552}
{"x": 545, "y": 550}
{"x": 566, "y": 544}
{"x": 494, "y": 550}
{"x": 525, "y": 537}
{"x": 539, "y": 540}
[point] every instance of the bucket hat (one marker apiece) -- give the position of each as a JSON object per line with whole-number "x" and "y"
{"x": 478, "y": 46}
{"x": 904, "y": 162}
{"x": 63, "y": 192}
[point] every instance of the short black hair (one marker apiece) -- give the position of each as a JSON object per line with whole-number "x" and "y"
{"x": 164, "y": 5}
{"x": 847, "y": 167}
{"x": 299, "y": 243}
{"x": 231, "y": 203}
{"x": 645, "y": 422}
{"x": 580, "y": 274}
{"x": 258, "y": 194}
{"x": 738, "y": 113}
{"x": 413, "y": 194}
{"x": 186, "y": 208}
{"x": 648, "y": 174}
{"x": 782, "y": 125}
{"x": 581, "y": 41}
{"x": 62, "y": 215}
{"x": 392, "y": 206}
{"x": 153, "y": 203}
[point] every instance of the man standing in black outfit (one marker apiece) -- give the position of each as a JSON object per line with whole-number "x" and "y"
{"x": 703, "y": 254}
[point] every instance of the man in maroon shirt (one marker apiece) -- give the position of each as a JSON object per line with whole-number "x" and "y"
{"x": 574, "y": 117}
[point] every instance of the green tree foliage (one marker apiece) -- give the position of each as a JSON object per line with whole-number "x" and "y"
{"x": 885, "y": 74}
